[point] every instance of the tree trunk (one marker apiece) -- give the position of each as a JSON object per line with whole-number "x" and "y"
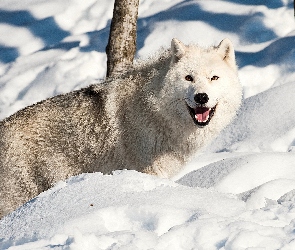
{"x": 121, "y": 46}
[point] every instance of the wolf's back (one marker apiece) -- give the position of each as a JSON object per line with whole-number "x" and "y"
{"x": 50, "y": 141}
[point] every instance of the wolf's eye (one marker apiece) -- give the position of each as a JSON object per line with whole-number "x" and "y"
{"x": 214, "y": 78}
{"x": 189, "y": 78}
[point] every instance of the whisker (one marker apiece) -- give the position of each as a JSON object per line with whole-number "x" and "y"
{"x": 177, "y": 100}
{"x": 188, "y": 101}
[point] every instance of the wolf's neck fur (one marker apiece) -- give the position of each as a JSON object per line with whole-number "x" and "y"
{"x": 147, "y": 135}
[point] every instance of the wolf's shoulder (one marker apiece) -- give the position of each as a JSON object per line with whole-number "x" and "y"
{"x": 87, "y": 97}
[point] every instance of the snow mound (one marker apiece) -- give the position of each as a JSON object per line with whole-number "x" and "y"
{"x": 264, "y": 123}
{"x": 143, "y": 204}
{"x": 236, "y": 194}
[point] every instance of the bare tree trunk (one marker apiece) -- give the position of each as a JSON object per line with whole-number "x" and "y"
{"x": 121, "y": 46}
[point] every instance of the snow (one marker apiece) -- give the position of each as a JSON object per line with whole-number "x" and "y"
{"x": 238, "y": 193}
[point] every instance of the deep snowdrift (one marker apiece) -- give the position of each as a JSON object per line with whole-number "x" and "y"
{"x": 237, "y": 193}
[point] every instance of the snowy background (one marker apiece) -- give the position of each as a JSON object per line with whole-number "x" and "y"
{"x": 239, "y": 193}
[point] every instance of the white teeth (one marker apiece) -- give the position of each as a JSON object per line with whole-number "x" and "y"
{"x": 201, "y": 120}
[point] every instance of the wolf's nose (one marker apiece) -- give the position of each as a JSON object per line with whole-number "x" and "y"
{"x": 201, "y": 98}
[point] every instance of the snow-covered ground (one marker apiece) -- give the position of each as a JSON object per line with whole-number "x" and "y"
{"x": 238, "y": 193}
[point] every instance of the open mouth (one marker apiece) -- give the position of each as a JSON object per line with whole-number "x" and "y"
{"x": 201, "y": 115}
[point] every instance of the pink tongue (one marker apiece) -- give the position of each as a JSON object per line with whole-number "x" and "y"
{"x": 201, "y": 114}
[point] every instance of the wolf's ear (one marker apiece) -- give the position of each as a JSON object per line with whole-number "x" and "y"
{"x": 226, "y": 50}
{"x": 178, "y": 50}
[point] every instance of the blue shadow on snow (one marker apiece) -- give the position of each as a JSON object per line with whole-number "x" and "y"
{"x": 271, "y": 4}
{"x": 279, "y": 51}
{"x": 250, "y": 28}
{"x": 45, "y": 29}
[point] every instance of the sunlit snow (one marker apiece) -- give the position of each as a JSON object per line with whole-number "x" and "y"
{"x": 238, "y": 193}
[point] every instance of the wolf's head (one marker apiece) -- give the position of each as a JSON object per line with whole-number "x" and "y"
{"x": 202, "y": 84}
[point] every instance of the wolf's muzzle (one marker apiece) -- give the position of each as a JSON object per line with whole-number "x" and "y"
{"x": 201, "y": 114}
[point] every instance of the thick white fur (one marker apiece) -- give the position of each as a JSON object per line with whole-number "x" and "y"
{"x": 138, "y": 121}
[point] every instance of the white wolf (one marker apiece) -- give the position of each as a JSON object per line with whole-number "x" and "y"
{"x": 150, "y": 119}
